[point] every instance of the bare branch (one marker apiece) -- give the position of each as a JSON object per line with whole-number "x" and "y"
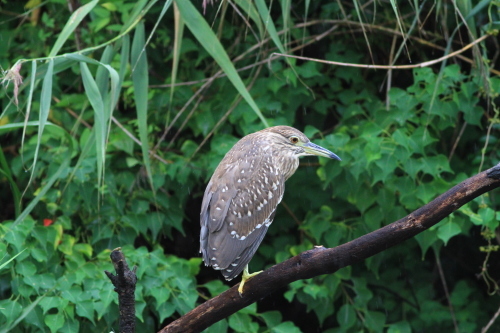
{"x": 124, "y": 282}
{"x": 321, "y": 260}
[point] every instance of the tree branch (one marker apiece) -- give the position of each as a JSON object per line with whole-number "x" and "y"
{"x": 321, "y": 260}
{"x": 124, "y": 282}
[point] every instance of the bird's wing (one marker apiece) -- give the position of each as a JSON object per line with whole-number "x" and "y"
{"x": 237, "y": 212}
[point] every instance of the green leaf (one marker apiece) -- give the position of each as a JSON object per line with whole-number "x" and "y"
{"x": 51, "y": 302}
{"x": 220, "y": 326}
{"x": 204, "y": 34}
{"x": 346, "y": 316}
{"x": 10, "y": 309}
{"x": 73, "y": 22}
{"x": 45, "y": 101}
{"x": 488, "y": 217}
{"x": 375, "y": 320}
{"x": 286, "y": 327}
{"x": 54, "y": 322}
{"x": 313, "y": 290}
{"x": 25, "y": 268}
{"x": 426, "y": 239}
{"x": 271, "y": 318}
{"x": 140, "y": 79}
{"x": 399, "y": 327}
{"x": 242, "y": 323}
{"x": 448, "y": 230}
{"x": 86, "y": 309}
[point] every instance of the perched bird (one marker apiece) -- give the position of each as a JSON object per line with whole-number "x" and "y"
{"x": 241, "y": 198}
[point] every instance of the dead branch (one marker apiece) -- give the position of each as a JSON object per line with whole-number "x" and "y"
{"x": 321, "y": 260}
{"x": 124, "y": 282}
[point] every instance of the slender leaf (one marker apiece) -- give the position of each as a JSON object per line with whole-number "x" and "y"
{"x": 179, "y": 32}
{"x": 71, "y": 25}
{"x": 201, "y": 30}
{"x": 14, "y": 257}
{"x": 140, "y": 81}
{"x": 252, "y": 12}
{"x": 269, "y": 24}
{"x": 95, "y": 99}
{"x": 45, "y": 99}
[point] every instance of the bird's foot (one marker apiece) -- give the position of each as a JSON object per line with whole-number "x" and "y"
{"x": 246, "y": 276}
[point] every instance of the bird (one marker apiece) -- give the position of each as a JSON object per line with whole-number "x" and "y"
{"x": 241, "y": 197}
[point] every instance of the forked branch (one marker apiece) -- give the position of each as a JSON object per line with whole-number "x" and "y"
{"x": 321, "y": 260}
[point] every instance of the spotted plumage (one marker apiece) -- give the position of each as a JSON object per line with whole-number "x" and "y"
{"x": 241, "y": 198}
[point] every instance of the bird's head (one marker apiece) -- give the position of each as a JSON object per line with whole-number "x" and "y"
{"x": 293, "y": 139}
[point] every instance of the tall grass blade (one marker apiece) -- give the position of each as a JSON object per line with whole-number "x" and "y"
{"x": 179, "y": 33}
{"x": 71, "y": 25}
{"x": 124, "y": 60}
{"x": 359, "y": 14}
{"x": 269, "y": 24}
{"x": 96, "y": 100}
{"x": 45, "y": 98}
{"x": 206, "y": 37}
{"x": 14, "y": 257}
{"x": 140, "y": 81}
{"x": 102, "y": 74}
{"x": 33, "y": 84}
{"x": 252, "y": 12}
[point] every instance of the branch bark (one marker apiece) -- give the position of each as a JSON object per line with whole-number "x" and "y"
{"x": 124, "y": 282}
{"x": 321, "y": 260}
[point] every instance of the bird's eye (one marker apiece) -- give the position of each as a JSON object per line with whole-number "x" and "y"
{"x": 294, "y": 139}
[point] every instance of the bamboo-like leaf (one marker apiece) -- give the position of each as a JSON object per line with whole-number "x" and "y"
{"x": 109, "y": 103}
{"x": 140, "y": 80}
{"x": 95, "y": 99}
{"x": 358, "y": 12}
{"x": 206, "y": 37}
{"x": 30, "y": 99}
{"x": 124, "y": 59}
{"x": 287, "y": 19}
{"x": 252, "y": 12}
{"x": 136, "y": 14}
{"x": 45, "y": 98}
{"x": 179, "y": 33}
{"x": 102, "y": 74}
{"x": 71, "y": 25}
{"x": 14, "y": 257}
{"x": 396, "y": 13}
{"x": 269, "y": 24}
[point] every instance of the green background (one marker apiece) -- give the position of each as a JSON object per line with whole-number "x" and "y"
{"x": 130, "y": 106}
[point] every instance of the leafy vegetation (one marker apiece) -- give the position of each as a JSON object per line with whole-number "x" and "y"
{"x": 127, "y": 107}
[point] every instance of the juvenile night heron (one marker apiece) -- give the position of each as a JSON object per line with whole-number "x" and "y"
{"x": 241, "y": 198}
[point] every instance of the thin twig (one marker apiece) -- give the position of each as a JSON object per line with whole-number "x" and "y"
{"x": 446, "y": 292}
{"x": 420, "y": 65}
{"x": 492, "y": 320}
{"x": 455, "y": 144}
{"x": 130, "y": 135}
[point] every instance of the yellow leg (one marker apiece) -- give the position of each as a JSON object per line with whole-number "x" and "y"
{"x": 246, "y": 276}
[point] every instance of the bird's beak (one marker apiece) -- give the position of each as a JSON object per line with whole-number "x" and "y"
{"x": 314, "y": 149}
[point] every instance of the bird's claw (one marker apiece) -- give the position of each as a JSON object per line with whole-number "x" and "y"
{"x": 246, "y": 276}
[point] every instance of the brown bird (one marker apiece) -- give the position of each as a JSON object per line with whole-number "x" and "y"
{"x": 241, "y": 198}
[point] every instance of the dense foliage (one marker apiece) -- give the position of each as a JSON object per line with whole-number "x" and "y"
{"x": 127, "y": 107}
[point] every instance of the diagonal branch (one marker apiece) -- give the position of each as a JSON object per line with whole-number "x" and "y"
{"x": 321, "y": 260}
